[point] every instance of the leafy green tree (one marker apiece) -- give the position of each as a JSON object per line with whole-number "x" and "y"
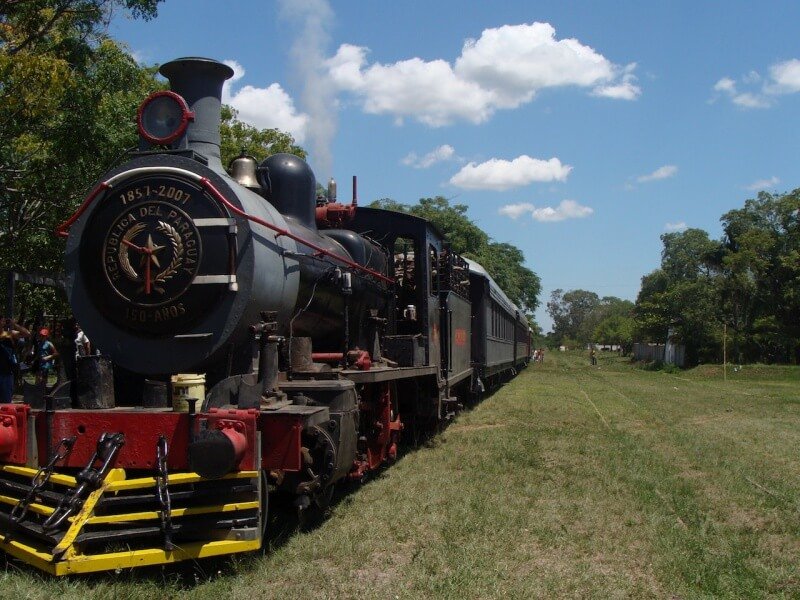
{"x": 48, "y": 165}
{"x": 682, "y": 295}
{"x": 569, "y": 310}
{"x": 760, "y": 291}
{"x": 607, "y": 307}
{"x": 506, "y": 264}
{"x": 616, "y": 329}
{"x": 67, "y": 96}
{"x": 651, "y": 312}
{"x": 66, "y": 27}
{"x": 689, "y": 254}
{"x": 238, "y": 137}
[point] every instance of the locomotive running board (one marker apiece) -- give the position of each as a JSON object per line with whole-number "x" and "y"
{"x": 118, "y": 524}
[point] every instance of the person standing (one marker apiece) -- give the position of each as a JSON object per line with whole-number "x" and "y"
{"x": 83, "y": 347}
{"x": 47, "y": 357}
{"x": 12, "y": 332}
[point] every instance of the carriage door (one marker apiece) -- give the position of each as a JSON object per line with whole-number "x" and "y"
{"x": 456, "y": 316}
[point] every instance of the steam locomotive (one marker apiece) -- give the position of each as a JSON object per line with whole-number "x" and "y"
{"x": 325, "y": 331}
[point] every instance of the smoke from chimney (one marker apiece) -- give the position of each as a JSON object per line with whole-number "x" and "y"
{"x": 313, "y": 19}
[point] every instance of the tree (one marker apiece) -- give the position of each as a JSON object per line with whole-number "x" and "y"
{"x": 238, "y": 137}
{"x": 616, "y": 329}
{"x": 66, "y": 27}
{"x": 569, "y": 310}
{"x": 761, "y": 276}
{"x": 67, "y": 95}
{"x": 49, "y": 159}
{"x": 689, "y": 254}
{"x": 609, "y": 306}
{"x": 682, "y": 295}
{"x": 506, "y": 264}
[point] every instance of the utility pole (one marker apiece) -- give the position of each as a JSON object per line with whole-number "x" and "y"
{"x": 725, "y": 352}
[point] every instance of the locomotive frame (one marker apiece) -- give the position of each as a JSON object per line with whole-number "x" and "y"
{"x": 326, "y": 332}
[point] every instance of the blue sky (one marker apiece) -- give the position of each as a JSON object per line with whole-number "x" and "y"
{"x": 577, "y": 131}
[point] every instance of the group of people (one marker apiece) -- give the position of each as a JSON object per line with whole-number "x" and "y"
{"x": 23, "y": 352}
{"x": 538, "y": 355}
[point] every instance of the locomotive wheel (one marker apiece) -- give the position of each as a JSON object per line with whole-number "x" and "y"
{"x": 319, "y": 456}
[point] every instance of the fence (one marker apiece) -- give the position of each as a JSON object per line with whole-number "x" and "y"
{"x": 671, "y": 353}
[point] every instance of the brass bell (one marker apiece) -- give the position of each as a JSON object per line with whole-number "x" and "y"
{"x": 243, "y": 170}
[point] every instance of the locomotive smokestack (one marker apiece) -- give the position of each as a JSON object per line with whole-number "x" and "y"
{"x": 199, "y": 81}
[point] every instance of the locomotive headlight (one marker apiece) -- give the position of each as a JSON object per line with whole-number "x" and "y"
{"x": 163, "y": 117}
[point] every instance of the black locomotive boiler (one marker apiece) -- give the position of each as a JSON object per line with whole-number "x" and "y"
{"x": 324, "y": 332}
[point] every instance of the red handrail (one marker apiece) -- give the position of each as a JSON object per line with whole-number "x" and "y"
{"x": 63, "y": 229}
{"x": 280, "y": 231}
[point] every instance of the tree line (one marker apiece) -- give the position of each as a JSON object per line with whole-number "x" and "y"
{"x": 744, "y": 286}
{"x": 581, "y": 317}
{"x": 740, "y": 293}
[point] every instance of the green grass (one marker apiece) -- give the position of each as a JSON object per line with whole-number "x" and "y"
{"x": 571, "y": 481}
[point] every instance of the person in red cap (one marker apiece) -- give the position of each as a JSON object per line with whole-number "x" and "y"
{"x": 47, "y": 356}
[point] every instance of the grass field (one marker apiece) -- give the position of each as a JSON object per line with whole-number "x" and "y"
{"x": 570, "y": 481}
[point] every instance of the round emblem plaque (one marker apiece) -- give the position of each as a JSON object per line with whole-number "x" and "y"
{"x": 151, "y": 254}
{"x": 155, "y": 253}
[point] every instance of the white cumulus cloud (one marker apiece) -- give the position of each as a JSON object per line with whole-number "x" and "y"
{"x": 726, "y": 84}
{"x": 749, "y": 100}
{"x": 673, "y": 227}
{"x": 428, "y": 91}
{"x": 266, "y": 107}
{"x": 763, "y": 184}
{"x": 515, "y": 211}
{"x": 660, "y": 173}
{"x": 440, "y": 154}
{"x": 502, "y": 69}
{"x": 625, "y": 89}
{"x": 497, "y": 174}
{"x": 783, "y": 78}
{"x": 567, "y": 209}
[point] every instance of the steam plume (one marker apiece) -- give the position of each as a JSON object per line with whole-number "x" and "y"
{"x": 312, "y": 18}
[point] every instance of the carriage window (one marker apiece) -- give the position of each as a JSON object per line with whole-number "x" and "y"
{"x": 433, "y": 265}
